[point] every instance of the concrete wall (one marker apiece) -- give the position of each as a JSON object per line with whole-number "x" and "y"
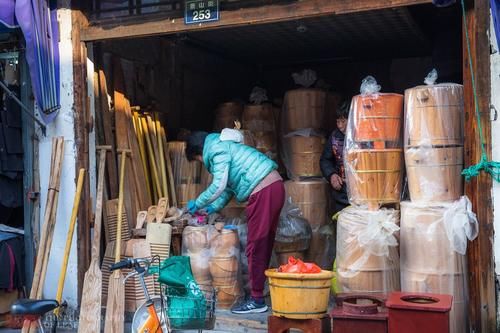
{"x": 63, "y": 125}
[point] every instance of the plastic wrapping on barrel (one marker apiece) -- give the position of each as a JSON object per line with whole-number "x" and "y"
{"x": 434, "y": 240}
{"x": 301, "y": 152}
{"x": 367, "y": 250}
{"x": 373, "y": 154}
{"x": 195, "y": 245}
{"x": 293, "y": 235}
{"x": 434, "y": 137}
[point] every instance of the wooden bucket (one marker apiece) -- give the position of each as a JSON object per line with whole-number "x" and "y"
{"x": 304, "y": 156}
{"x": 312, "y": 199}
{"x": 374, "y": 176}
{"x": 425, "y": 247}
{"x": 434, "y": 174}
{"x": 226, "y": 114}
{"x": 434, "y": 115}
{"x": 258, "y": 118}
{"x": 357, "y": 273}
{"x": 378, "y": 117}
{"x": 195, "y": 239}
{"x": 224, "y": 270}
{"x": 305, "y": 108}
{"x": 225, "y": 243}
{"x": 299, "y": 296}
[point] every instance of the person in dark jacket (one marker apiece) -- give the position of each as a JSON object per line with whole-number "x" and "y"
{"x": 332, "y": 161}
{"x": 242, "y": 172}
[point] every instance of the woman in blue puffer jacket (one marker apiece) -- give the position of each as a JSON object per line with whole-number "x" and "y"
{"x": 245, "y": 173}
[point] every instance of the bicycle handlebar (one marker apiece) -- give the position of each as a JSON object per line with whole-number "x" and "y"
{"x": 131, "y": 263}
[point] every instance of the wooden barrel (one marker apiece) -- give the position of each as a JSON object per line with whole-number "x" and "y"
{"x": 224, "y": 243}
{"x": 258, "y": 118}
{"x": 357, "y": 269}
{"x": 428, "y": 262}
{"x": 224, "y": 270}
{"x": 226, "y": 114}
{"x": 312, "y": 198}
{"x": 434, "y": 173}
{"x": 228, "y": 295}
{"x": 374, "y": 176}
{"x": 200, "y": 267}
{"x": 265, "y": 141}
{"x": 304, "y": 155}
{"x": 434, "y": 115}
{"x": 305, "y": 108}
{"x": 378, "y": 117}
{"x": 195, "y": 239}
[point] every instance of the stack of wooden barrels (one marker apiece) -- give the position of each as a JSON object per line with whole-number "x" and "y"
{"x": 224, "y": 266}
{"x": 302, "y": 126}
{"x": 373, "y": 167}
{"x": 434, "y": 161}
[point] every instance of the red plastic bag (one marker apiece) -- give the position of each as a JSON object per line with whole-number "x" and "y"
{"x": 298, "y": 266}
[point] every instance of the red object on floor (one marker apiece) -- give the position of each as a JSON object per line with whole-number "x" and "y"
{"x": 359, "y": 313}
{"x": 277, "y": 324}
{"x": 419, "y": 312}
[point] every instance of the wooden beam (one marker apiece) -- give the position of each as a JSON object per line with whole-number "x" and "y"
{"x": 138, "y": 27}
{"x": 482, "y": 306}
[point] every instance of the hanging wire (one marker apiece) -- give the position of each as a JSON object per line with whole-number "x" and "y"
{"x": 490, "y": 167}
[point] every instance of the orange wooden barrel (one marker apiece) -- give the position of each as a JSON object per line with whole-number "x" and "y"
{"x": 428, "y": 262}
{"x": 357, "y": 269}
{"x": 224, "y": 270}
{"x": 226, "y": 114}
{"x": 434, "y": 115}
{"x": 311, "y": 197}
{"x": 305, "y": 108}
{"x": 200, "y": 267}
{"x": 374, "y": 176}
{"x": 378, "y": 117}
{"x": 434, "y": 173}
{"x": 228, "y": 295}
{"x": 304, "y": 155}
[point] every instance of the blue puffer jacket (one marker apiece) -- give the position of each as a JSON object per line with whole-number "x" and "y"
{"x": 236, "y": 169}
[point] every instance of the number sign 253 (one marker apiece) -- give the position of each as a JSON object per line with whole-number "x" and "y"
{"x": 198, "y": 11}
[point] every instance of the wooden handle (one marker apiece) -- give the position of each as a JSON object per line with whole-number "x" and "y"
{"x": 123, "y": 160}
{"x": 96, "y": 242}
{"x": 69, "y": 238}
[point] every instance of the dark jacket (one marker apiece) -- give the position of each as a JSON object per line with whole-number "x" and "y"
{"x": 332, "y": 162}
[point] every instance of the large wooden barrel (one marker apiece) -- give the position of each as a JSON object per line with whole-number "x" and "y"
{"x": 305, "y": 108}
{"x": 377, "y": 117}
{"x": 225, "y": 243}
{"x": 226, "y": 114}
{"x": 224, "y": 270}
{"x": 195, "y": 239}
{"x": 434, "y": 115}
{"x": 428, "y": 261}
{"x": 434, "y": 174}
{"x": 303, "y": 154}
{"x": 258, "y": 118}
{"x": 200, "y": 267}
{"x": 374, "y": 176}
{"x": 358, "y": 269}
{"x": 312, "y": 198}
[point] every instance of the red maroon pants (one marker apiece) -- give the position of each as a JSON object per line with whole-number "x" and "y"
{"x": 263, "y": 213}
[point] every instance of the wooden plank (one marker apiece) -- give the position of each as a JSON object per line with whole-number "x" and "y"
{"x": 482, "y": 307}
{"x": 272, "y": 13}
{"x": 109, "y": 138}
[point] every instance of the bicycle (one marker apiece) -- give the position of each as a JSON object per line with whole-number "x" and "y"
{"x": 150, "y": 317}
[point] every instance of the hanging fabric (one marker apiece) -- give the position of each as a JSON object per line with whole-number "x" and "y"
{"x": 495, "y": 13}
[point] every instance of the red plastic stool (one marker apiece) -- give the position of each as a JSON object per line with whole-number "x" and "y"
{"x": 419, "y": 312}
{"x": 283, "y": 325}
{"x": 359, "y": 313}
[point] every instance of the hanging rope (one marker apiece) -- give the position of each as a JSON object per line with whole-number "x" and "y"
{"x": 490, "y": 167}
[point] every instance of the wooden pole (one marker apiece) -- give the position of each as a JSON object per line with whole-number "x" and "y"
{"x": 69, "y": 238}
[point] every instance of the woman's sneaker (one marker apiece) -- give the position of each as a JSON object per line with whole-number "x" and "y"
{"x": 250, "y": 306}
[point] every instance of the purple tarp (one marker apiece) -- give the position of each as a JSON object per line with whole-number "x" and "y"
{"x": 38, "y": 22}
